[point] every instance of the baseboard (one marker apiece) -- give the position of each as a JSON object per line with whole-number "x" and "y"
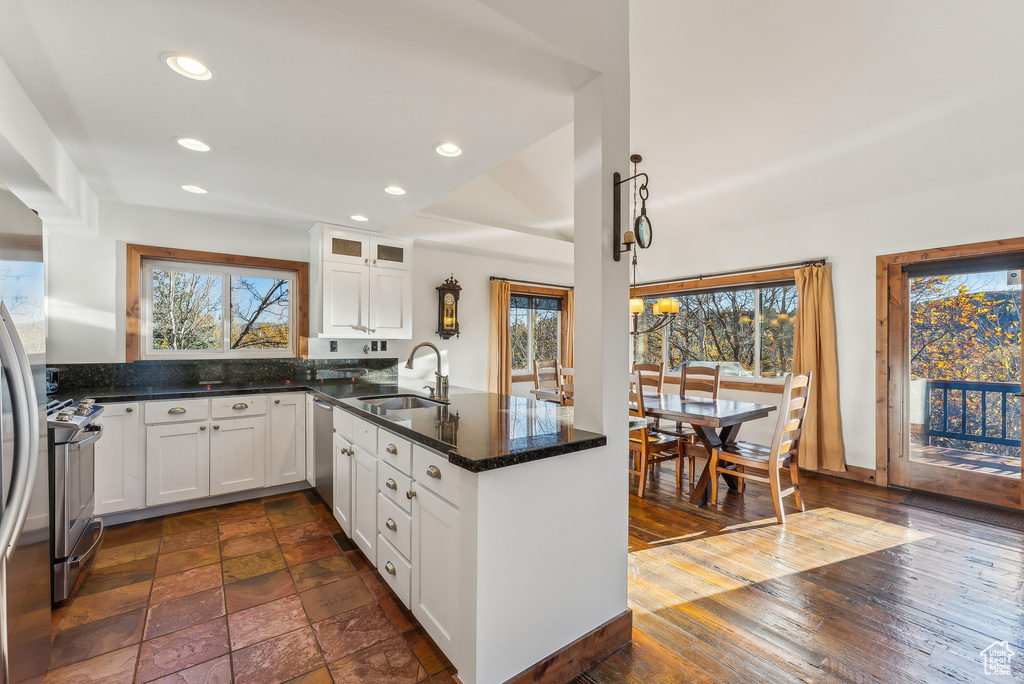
{"x": 866, "y": 475}
{"x": 580, "y": 655}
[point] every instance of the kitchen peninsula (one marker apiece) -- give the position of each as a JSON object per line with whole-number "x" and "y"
{"x": 428, "y": 491}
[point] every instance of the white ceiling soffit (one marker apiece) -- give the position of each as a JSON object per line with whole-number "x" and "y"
{"x": 313, "y": 109}
{"x": 751, "y": 112}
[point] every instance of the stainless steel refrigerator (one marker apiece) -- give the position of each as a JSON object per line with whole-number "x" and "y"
{"x": 25, "y": 554}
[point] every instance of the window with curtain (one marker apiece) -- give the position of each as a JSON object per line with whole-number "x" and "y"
{"x": 748, "y": 331}
{"x": 535, "y": 325}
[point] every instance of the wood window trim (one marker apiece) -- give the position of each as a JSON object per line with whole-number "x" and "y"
{"x": 889, "y": 298}
{"x": 563, "y": 327}
{"x": 751, "y": 279}
{"x": 133, "y": 279}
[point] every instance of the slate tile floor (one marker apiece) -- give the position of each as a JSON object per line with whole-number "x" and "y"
{"x": 258, "y": 592}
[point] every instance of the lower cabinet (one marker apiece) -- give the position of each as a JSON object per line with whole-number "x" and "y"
{"x": 177, "y": 462}
{"x": 435, "y": 548}
{"x": 119, "y": 467}
{"x": 343, "y": 464}
{"x": 287, "y": 438}
{"x": 364, "y": 502}
{"x": 238, "y": 454}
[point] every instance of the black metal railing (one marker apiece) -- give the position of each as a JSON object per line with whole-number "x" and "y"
{"x": 987, "y": 412}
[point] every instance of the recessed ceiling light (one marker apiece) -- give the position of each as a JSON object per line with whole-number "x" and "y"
{"x": 189, "y": 66}
{"x": 394, "y": 190}
{"x": 194, "y": 189}
{"x": 194, "y": 144}
{"x": 358, "y": 217}
{"x": 448, "y": 150}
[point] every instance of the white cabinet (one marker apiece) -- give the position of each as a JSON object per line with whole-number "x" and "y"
{"x": 361, "y": 284}
{"x": 119, "y": 460}
{"x": 343, "y": 464}
{"x": 238, "y": 454}
{"x": 177, "y": 462}
{"x": 364, "y": 502}
{"x": 287, "y": 438}
{"x": 435, "y": 577}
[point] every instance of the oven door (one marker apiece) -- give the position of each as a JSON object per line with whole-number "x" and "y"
{"x": 75, "y": 489}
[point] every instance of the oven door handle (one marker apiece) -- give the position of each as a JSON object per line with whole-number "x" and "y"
{"x": 78, "y": 561}
{"x": 94, "y": 432}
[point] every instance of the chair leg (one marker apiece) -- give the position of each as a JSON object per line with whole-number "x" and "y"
{"x": 741, "y": 482}
{"x": 776, "y": 488}
{"x": 641, "y": 488}
{"x": 713, "y": 469}
{"x": 679, "y": 464}
{"x": 794, "y": 476}
{"x": 693, "y": 461}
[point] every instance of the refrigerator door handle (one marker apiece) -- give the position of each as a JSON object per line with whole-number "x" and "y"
{"x": 15, "y": 363}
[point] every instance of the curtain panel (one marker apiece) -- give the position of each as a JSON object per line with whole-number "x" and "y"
{"x": 815, "y": 350}
{"x": 568, "y": 311}
{"x": 499, "y": 366}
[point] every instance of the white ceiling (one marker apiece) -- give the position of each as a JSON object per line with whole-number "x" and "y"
{"x": 313, "y": 109}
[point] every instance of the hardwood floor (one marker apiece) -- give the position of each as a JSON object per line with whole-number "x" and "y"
{"x": 858, "y": 588}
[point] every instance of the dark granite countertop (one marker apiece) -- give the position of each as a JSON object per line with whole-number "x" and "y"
{"x": 478, "y": 430}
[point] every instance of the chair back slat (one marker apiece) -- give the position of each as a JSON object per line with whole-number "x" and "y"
{"x": 650, "y": 374}
{"x": 546, "y": 374}
{"x": 636, "y": 397}
{"x": 792, "y": 411}
{"x": 700, "y": 379}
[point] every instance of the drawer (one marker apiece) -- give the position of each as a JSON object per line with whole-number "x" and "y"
{"x": 433, "y": 471}
{"x": 343, "y": 422}
{"x": 364, "y": 434}
{"x": 395, "y": 570}
{"x": 177, "y": 411}
{"x": 237, "y": 407}
{"x": 394, "y": 450}
{"x": 390, "y": 515}
{"x": 394, "y": 485}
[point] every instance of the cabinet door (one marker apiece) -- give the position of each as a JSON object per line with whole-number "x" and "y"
{"x": 390, "y": 253}
{"x": 177, "y": 462}
{"x": 346, "y": 248}
{"x": 391, "y": 303}
{"x": 364, "y": 502}
{"x": 238, "y": 454}
{"x": 435, "y": 567}
{"x": 343, "y": 483}
{"x": 287, "y": 438}
{"x": 118, "y": 479}
{"x": 346, "y": 290}
{"x": 310, "y": 444}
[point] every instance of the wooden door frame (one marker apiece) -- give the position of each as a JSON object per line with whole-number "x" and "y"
{"x": 892, "y": 372}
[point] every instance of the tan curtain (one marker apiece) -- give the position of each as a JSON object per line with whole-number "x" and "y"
{"x": 499, "y": 367}
{"x": 569, "y": 308}
{"x": 814, "y": 349}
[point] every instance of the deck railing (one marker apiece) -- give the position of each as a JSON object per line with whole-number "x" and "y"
{"x": 977, "y": 411}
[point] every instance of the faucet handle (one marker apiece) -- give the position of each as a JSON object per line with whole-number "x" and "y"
{"x": 429, "y": 389}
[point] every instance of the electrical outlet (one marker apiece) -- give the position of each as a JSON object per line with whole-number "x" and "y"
{"x": 373, "y": 345}
{"x": 334, "y": 345}
{"x": 383, "y": 345}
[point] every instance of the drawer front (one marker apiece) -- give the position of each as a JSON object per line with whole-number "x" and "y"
{"x": 433, "y": 471}
{"x": 395, "y": 450}
{"x": 395, "y": 570}
{"x": 177, "y": 411}
{"x": 389, "y": 516}
{"x": 394, "y": 485}
{"x": 364, "y": 434}
{"x": 238, "y": 407}
{"x": 343, "y": 423}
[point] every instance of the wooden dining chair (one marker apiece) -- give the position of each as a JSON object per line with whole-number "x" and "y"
{"x": 646, "y": 447}
{"x": 547, "y": 375}
{"x": 565, "y": 384}
{"x": 694, "y": 381}
{"x": 652, "y": 376}
{"x": 781, "y": 454}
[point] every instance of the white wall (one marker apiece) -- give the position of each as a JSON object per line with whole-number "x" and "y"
{"x": 851, "y": 239}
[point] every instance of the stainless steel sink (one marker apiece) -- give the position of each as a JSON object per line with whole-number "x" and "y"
{"x": 399, "y": 402}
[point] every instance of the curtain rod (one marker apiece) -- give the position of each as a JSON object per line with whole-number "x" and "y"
{"x": 792, "y": 264}
{"x": 531, "y": 282}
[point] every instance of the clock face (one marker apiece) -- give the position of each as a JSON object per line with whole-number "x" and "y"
{"x": 449, "y": 298}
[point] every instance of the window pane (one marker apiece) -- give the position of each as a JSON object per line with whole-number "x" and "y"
{"x": 778, "y": 311}
{"x": 714, "y": 327}
{"x": 260, "y": 313}
{"x": 519, "y": 321}
{"x": 647, "y": 347}
{"x": 187, "y": 311}
{"x": 545, "y": 335}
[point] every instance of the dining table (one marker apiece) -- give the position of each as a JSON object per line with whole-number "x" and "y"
{"x": 714, "y": 421}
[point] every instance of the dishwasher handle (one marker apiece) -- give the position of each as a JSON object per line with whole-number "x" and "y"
{"x": 322, "y": 404}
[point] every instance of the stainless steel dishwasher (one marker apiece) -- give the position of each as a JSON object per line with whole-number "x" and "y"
{"x": 323, "y": 449}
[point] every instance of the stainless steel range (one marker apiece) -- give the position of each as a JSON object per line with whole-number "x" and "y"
{"x": 76, "y": 532}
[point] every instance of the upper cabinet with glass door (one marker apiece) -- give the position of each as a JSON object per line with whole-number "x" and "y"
{"x": 360, "y": 284}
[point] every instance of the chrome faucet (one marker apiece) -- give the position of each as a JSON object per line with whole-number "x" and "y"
{"x": 441, "y": 381}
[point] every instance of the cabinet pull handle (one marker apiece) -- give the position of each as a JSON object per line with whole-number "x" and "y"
{"x": 390, "y": 567}
{"x": 390, "y": 524}
{"x": 391, "y": 484}
{"x": 351, "y": 452}
{"x": 392, "y": 449}
{"x": 176, "y": 410}
{"x": 216, "y": 427}
{"x": 434, "y": 472}
{"x": 240, "y": 406}
{"x": 202, "y": 427}
{"x": 409, "y": 495}
{"x": 129, "y": 409}
{"x": 277, "y": 401}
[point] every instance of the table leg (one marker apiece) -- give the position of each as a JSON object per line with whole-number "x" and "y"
{"x": 709, "y": 439}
